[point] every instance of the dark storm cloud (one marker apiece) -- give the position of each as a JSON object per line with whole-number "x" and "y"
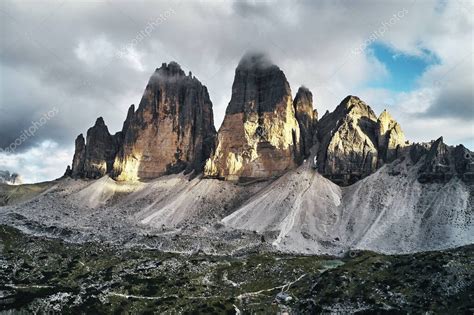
{"x": 41, "y": 67}
{"x": 453, "y": 103}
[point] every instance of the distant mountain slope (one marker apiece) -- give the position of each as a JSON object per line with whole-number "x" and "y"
{"x": 301, "y": 206}
{"x": 275, "y": 177}
{"x": 384, "y": 212}
{"x": 390, "y": 211}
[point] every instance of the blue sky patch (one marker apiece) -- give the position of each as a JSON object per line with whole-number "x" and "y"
{"x": 403, "y": 70}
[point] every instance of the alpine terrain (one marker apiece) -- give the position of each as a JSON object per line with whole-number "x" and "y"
{"x": 281, "y": 209}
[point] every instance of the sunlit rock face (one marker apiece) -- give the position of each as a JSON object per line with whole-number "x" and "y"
{"x": 171, "y": 131}
{"x": 390, "y": 138}
{"x": 306, "y": 117}
{"x": 347, "y": 142}
{"x": 259, "y": 136}
{"x": 353, "y": 143}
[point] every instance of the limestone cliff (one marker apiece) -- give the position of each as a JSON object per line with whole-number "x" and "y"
{"x": 100, "y": 151}
{"x": 347, "y": 142}
{"x": 171, "y": 131}
{"x": 259, "y": 136}
{"x": 390, "y": 137}
{"x": 94, "y": 157}
{"x": 353, "y": 143}
{"x": 79, "y": 157}
{"x": 306, "y": 117}
{"x": 443, "y": 162}
{"x": 264, "y": 134}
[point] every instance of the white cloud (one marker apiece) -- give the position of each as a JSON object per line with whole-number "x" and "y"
{"x": 46, "y": 161}
{"x": 95, "y": 52}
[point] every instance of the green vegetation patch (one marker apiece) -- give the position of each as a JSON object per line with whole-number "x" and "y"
{"x": 40, "y": 274}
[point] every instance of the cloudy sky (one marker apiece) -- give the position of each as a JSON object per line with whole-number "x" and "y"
{"x": 64, "y": 63}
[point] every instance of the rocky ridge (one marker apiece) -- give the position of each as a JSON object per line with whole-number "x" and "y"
{"x": 171, "y": 131}
{"x": 442, "y": 162}
{"x": 264, "y": 134}
{"x": 353, "y": 142}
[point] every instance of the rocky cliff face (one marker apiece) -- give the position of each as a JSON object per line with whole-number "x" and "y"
{"x": 306, "y": 117}
{"x": 347, "y": 142}
{"x": 264, "y": 134}
{"x": 390, "y": 137}
{"x": 354, "y": 143}
{"x": 101, "y": 148}
{"x": 260, "y": 134}
{"x": 442, "y": 162}
{"x": 172, "y": 129}
{"x": 95, "y": 157}
{"x": 79, "y": 157}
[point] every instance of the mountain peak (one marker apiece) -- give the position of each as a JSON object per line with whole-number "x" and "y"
{"x": 349, "y": 100}
{"x": 172, "y": 130}
{"x": 254, "y": 140}
{"x": 99, "y": 122}
{"x": 304, "y": 92}
{"x": 386, "y": 121}
{"x": 172, "y": 69}
{"x": 385, "y": 116}
{"x": 352, "y": 106}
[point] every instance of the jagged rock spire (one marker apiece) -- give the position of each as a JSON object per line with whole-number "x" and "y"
{"x": 100, "y": 150}
{"x": 172, "y": 130}
{"x": 79, "y": 157}
{"x": 306, "y": 117}
{"x": 94, "y": 156}
{"x": 260, "y": 135}
{"x": 390, "y": 137}
{"x": 264, "y": 134}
